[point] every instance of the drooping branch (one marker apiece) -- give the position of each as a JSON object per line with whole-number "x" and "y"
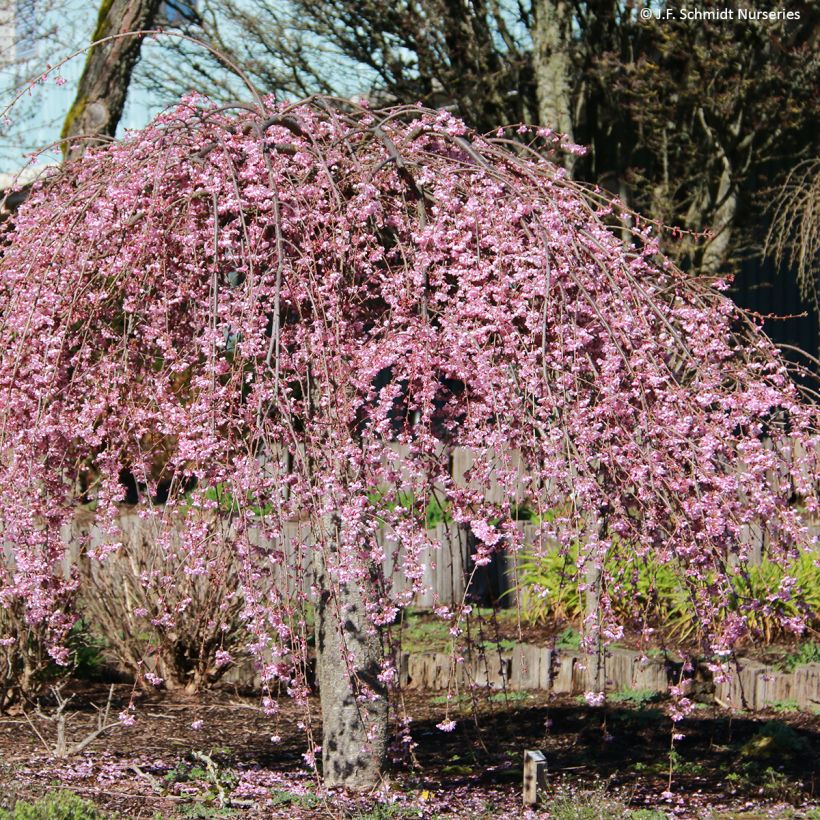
{"x": 794, "y": 235}
{"x": 311, "y": 332}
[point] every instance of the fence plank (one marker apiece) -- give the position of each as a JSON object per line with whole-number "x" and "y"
{"x": 526, "y": 667}
{"x": 740, "y": 690}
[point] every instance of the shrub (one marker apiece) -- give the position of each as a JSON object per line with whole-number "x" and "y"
{"x": 166, "y": 599}
{"x": 550, "y": 589}
{"x": 23, "y": 656}
{"x": 60, "y": 805}
{"x": 757, "y": 590}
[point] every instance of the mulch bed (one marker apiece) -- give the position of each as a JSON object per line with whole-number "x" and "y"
{"x": 736, "y": 765}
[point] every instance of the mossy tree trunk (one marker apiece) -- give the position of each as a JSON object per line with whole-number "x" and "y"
{"x": 103, "y": 86}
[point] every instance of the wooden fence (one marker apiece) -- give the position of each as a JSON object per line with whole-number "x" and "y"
{"x": 448, "y": 569}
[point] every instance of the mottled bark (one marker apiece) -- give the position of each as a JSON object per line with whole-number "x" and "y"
{"x": 103, "y": 86}
{"x": 354, "y": 701}
{"x": 552, "y": 64}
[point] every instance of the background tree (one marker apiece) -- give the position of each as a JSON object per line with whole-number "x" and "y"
{"x": 110, "y": 61}
{"x": 269, "y": 301}
{"x": 690, "y": 123}
{"x": 469, "y": 54}
{"x": 707, "y": 117}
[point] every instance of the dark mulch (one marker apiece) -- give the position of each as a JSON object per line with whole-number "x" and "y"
{"x": 743, "y": 765}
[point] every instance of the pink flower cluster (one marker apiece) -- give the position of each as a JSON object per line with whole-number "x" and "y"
{"x": 253, "y": 309}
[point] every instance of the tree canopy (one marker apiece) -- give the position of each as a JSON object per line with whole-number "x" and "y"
{"x": 253, "y": 305}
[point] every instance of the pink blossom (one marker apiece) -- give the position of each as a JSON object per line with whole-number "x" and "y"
{"x": 126, "y": 717}
{"x": 310, "y": 332}
{"x": 485, "y": 532}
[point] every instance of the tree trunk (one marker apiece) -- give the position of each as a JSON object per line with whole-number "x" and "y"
{"x": 103, "y": 86}
{"x": 354, "y": 701}
{"x": 552, "y": 63}
{"x": 717, "y": 249}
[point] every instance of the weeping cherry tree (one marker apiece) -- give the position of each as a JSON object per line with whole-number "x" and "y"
{"x": 253, "y": 306}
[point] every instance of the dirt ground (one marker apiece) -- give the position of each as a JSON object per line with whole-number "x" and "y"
{"x": 220, "y": 755}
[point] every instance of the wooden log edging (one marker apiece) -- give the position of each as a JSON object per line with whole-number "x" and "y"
{"x": 757, "y": 686}
{"x": 563, "y": 671}
{"x": 568, "y": 671}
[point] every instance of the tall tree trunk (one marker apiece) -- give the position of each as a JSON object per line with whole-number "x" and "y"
{"x": 354, "y": 701}
{"x": 725, "y": 201}
{"x": 103, "y": 86}
{"x": 552, "y": 63}
{"x": 716, "y": 251}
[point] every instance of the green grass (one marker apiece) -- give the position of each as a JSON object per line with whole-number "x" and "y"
{"x": 386, "y": 812}
{"x": 786, "y": 706}
{"x": 509, "y": 697}
{"x": 60, "y": 805}
{"x": 806, "y": 653}
{"x": 570, "y": 638}
{"x": 424, "y": 635}
{"x": 595, "y": 803}
{"x": 204, "y": 810}
{"x": 767, "y": 782}
{"x": 440, "y": 700}
{"x": 422, "y": 632}
{"x": 505, "y": 645}
{"x": 637, "y": 698}
{"x": 281, "y": 797}
{"x": 431, "y": 509}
